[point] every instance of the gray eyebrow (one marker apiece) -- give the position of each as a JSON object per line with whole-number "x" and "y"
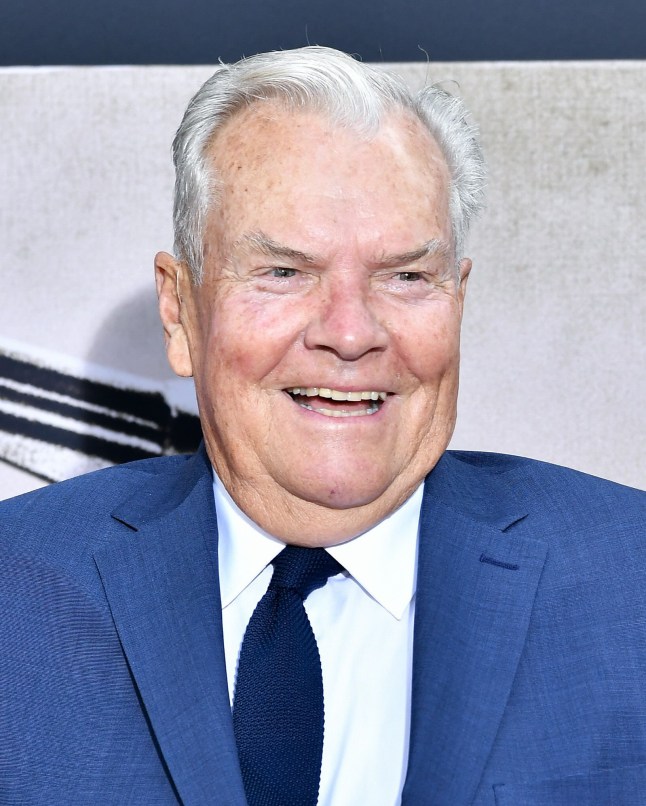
{"x": 267, "y": 246}
{"x": 431, "y": 248}
{"x": 263, "y": 243}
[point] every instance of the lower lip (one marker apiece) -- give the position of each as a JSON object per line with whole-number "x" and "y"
{"x": 347, "y": 417}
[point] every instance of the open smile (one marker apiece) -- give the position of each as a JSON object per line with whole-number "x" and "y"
{"x": 336, "y": 403}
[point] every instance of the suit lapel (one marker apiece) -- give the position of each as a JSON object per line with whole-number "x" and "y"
{"x": 477, "y": 581}
{"x": 159, "y": 571}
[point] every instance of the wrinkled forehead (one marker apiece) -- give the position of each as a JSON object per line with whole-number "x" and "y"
{"x": 314, "y": 186}
{"x": 267, "y": 132}
{"x": 270, "y": 162}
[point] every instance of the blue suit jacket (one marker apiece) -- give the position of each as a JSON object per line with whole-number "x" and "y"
{"x": 529, "y": 678}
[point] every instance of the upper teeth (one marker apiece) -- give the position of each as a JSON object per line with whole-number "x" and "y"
{"x": 335, "y": 394}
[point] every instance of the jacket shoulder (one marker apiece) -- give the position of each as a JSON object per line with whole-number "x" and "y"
{"x": 101, "y": 489}
{"x": 563, "y": 492}
{"x": 63, "y": 523}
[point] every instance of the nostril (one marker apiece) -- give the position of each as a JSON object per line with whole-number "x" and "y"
{"x": 348, "y": 341}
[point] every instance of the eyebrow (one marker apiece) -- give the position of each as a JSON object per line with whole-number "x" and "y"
{"x": 267, "y": 246}
{"x": 431, "y": 248}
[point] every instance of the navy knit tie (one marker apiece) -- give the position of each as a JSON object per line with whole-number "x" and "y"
{"x": 278, "y": 702}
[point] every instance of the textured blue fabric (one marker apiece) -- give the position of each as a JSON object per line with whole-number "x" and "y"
{"x": 529, "y": 651}
{"x": 278, "y": 712}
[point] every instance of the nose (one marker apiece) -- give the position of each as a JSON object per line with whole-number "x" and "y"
{"x": 345, "y": 320}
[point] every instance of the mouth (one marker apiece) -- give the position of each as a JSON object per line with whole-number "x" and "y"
{"x": 336, "y": 403}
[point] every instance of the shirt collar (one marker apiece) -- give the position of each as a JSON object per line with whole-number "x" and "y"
{"x": 382, "y": 560}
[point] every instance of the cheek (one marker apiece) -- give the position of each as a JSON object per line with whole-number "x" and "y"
{"x": 248, "y": 337}
{"x": 430, "y": 351}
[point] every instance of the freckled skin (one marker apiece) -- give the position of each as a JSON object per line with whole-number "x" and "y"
{"x": 341, "y": 318}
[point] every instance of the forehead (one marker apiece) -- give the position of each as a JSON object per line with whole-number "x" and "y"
{"x": 299, "y": 169}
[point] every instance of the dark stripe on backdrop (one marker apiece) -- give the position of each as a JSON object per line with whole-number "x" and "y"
{"x": 112, "y": 452}
{"x": 149, "y": 406}
{"x": 87, "y": 416}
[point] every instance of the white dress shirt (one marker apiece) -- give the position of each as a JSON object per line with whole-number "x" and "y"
{"x": 363, "y": 623}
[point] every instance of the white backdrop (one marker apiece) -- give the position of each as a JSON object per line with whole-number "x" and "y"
{"x": 554, "y": 345}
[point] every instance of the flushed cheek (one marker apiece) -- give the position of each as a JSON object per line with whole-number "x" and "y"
{"x": 252, "y": 339}
{"x": 430, "y": 353}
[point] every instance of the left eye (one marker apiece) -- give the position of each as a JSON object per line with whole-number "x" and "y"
{"x": 283, "y": 273}
{"x": 409, "y": 276}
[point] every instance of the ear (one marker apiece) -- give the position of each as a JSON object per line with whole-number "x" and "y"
{"x": 170, "y": 275}
{"x": 464, "y": 270}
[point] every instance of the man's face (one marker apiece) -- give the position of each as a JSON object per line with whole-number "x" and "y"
{"x": 324, "y": 340}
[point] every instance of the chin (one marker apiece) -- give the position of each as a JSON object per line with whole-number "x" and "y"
{"x": 341, "y": 492}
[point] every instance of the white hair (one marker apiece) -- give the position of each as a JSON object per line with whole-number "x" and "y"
{"x": 350, "y": 94}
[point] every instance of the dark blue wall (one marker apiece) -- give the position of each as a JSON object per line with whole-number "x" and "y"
{"x": 202, "y": 31}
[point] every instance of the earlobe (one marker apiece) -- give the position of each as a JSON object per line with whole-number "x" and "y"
{"x": 168, "y": 280}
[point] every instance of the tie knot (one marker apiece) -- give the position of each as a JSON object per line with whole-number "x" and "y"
{"x": 303, "y": 569}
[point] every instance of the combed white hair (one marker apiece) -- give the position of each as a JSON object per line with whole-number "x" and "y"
{"x": 349, "y": 93}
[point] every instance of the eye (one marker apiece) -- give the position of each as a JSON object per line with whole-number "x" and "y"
{"x": 283, "y": 279}
{"x": 282, "y": 273}
{"x": 409, "y": 276}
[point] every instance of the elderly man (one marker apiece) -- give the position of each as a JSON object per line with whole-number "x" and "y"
{"x": 323, "y": 605}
